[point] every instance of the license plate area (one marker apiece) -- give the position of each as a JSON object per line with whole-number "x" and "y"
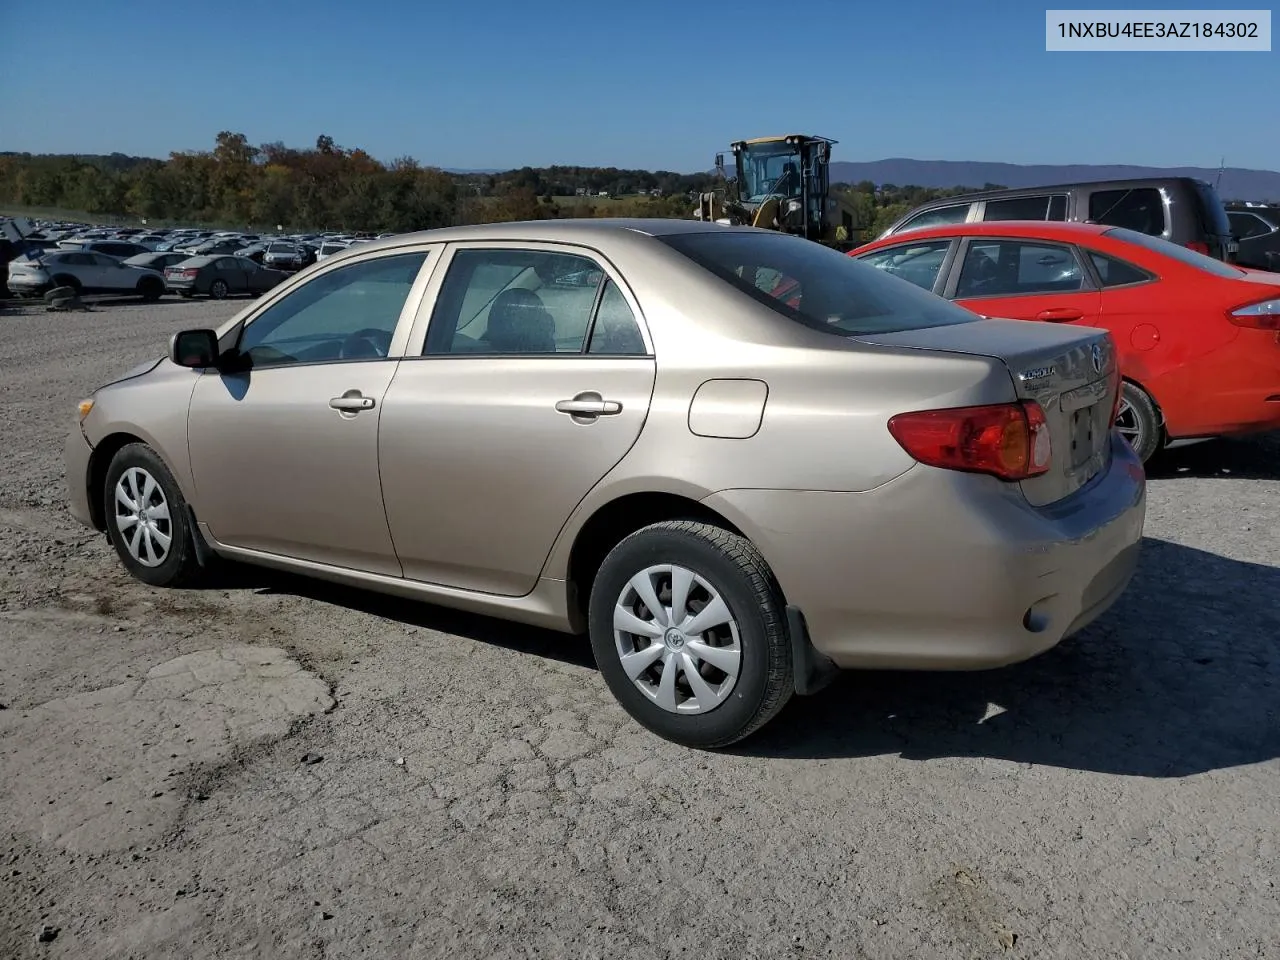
{"x": 1084, "y": 435}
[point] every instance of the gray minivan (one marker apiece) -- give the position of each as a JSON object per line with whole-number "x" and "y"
{"x": 1183, "y": 210}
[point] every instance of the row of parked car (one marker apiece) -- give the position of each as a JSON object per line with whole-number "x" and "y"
{"x": 188, "y": 262}
{"x": 1187, "y": 287}
{"x": 1183, "y": 210}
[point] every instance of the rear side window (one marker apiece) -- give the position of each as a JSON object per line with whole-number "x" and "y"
{"x": 815, "y": 285}
{"x": 1116, "y": 273}
{"x": 1018, "y": 208}
{"x": 997, "y": 268}
{"x": 1137, "y": 208}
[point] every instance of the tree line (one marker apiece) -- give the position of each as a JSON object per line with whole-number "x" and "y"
{"x": 330, "y": 187}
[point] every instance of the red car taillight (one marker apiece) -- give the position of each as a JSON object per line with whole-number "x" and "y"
{"x": 1007, "y": 440}
{"x": 1258, "y": 316}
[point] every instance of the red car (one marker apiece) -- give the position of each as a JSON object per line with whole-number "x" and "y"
{"x": 1199, "y": 339}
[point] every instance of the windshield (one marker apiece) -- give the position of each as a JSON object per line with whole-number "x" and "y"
{"x": 816, "y": 285}
{"x": 1173, "y": 251}
{"x": 768, "y": 169}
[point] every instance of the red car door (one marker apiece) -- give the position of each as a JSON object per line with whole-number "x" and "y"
{"x": 1025, "y": 279}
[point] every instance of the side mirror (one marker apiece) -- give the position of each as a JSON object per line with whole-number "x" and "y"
{"x": 194, "y": 348}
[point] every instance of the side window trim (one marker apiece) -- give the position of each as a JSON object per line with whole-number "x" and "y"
{"x": 230, "y": 333}
{"x": 1085, "y": 255}
{"x": 1088, "y": 285}
{"x": 416, "y": 335}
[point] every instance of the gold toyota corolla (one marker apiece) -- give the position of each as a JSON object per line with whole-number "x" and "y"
{"x": 737, "y": 459}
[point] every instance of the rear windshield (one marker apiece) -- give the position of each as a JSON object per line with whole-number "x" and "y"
{"x": 1174, "y": 251}
{"x": 1214, "y": 213}
{"x": 815, "y": 285}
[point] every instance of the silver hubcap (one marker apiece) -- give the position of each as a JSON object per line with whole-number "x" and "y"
{"x": 1127, "y": 423}
{"x": 676, "y": 639}
{"x": 142, "y": 517}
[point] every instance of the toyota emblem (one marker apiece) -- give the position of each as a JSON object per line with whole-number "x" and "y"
{"x": 1097, "y": 358}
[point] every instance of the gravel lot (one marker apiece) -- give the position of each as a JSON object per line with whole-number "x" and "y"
{"x": 473, "y": 791}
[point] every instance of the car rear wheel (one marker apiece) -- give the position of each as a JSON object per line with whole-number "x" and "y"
{"x": 150, "y": 289}
{"x": 66, "y": 280}
{"x": 147, "y": 519}
{"x": 218, "y": 289}
{"x": 688, "y": 628}
{"x": 1139, "y": 422}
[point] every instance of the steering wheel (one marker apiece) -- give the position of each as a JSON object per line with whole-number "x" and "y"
{"x": 365, "y": 343}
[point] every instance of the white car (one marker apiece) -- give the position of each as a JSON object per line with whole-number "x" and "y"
{"x": 85, "y": 271}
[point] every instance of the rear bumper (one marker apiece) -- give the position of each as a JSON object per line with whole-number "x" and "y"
{"x": 76, "y": 457}
{"x": 946, "y": 571}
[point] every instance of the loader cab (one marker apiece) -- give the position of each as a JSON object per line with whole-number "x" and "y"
{"x": 791, "y": 170}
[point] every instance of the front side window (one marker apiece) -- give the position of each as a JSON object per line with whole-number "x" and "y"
{"x": 999, "y": 268}
{"x": 957, "y": 213}
{"x": 346, "y": 314}
{"x": 813, "y": 284}
{"x": 510, "y": 301}
{"x": 1246, "y": 225}
{"x": 1137, "y": 208}
{"x": 917, "y": 263}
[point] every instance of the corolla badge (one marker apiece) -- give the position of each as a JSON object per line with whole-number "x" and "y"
{"x": 1097, "y": 357}
{"x": 1036, "y": 373}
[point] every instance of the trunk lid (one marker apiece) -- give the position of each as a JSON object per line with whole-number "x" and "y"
{"x": 1072, "y": 372}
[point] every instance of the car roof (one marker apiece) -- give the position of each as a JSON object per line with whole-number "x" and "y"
{"x": 1069, "y": 231}
{"x": 1002, "y": 192}
{"x": 587, "y": 231}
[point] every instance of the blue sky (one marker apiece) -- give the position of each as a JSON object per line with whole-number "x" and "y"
{"x": 658, "y": 84}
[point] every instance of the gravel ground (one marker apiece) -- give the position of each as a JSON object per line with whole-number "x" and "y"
{"x": 278, "y": 768}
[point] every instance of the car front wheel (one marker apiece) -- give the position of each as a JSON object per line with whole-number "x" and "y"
{"x": 688, "y": 628}
{"x": 147, "y": 519}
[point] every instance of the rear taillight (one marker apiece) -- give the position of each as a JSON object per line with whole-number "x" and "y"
{"x": 1258, "y": 316}
{"x": 1198, "y": 247}
{"x": 1007, "y": 440}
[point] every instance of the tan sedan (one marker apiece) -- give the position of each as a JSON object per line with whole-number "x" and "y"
{"x": 738, "y": 460}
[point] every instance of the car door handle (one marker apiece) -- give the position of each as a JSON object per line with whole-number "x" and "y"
{"x": 1060, "y": 314}
{"x": 350, "y": 402}
{"x": 589, "y": 405}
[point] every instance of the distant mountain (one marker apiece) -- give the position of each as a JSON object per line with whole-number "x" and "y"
{"x": 1237, "y": 183}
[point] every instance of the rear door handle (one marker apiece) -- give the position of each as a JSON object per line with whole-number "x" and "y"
{"x": 589, "y": 405}
{"x": 1060, "y": 314}
{"x": 351, "y": 401}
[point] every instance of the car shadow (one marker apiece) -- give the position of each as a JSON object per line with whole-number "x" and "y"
{"x": 1181, "y": 676}
{"x": 1245, "y": 458}
{"x": 518, "y": 637}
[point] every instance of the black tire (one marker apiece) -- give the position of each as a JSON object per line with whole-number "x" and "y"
{"x": 66, "y": 280}
{"x": 734, "y": 568}
{"x": 1139, "y": 422}
{"x": 150, "y": 289}
{"x": 180, "y": 565}
{"x": 218, "y": 289}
